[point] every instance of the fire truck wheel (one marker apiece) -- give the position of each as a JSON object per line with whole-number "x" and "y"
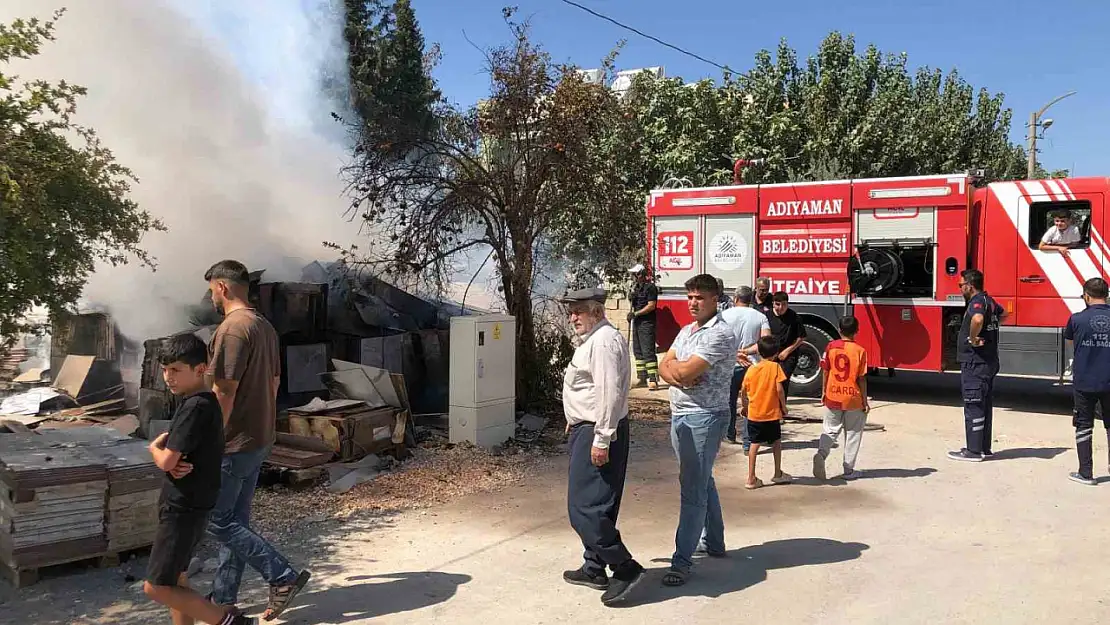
{"x": 806, "y": 381}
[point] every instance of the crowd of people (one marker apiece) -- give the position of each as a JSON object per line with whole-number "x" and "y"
{"x": 728, "y": 373}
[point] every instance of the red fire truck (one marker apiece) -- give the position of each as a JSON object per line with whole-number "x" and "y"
{"x": 890, "y": 251}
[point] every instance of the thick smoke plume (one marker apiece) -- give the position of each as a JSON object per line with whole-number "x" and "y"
{"x": 236, "y": 167}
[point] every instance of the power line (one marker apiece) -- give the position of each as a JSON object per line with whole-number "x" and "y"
{"x": 655, "y": 39}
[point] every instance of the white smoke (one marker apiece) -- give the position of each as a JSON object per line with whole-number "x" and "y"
{"x": 239, "y": 161}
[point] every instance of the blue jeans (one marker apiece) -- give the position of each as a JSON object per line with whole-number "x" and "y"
{"x": 229, "y": 524}
{"x": 737, "y": 423}
{"x": 696, "y": 439}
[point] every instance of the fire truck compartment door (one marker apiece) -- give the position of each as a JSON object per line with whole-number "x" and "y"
{"x": 676, "y": 248}
{"x": 1044, "y": 278}
{"x": 892, "y": 224}
{"x": 730, "y": 248}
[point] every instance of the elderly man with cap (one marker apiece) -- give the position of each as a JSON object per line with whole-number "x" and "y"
{"x": 595, "y": 401}
{"x": 641, "y": 319}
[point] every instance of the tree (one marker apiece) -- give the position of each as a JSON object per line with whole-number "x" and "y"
{"x": 839, "y": 115}
{"x": 63, "y": 198}
{"x": 391, "y": 93}
{"x": 510, "y": 175}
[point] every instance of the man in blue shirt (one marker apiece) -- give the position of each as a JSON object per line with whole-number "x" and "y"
{"x": 1089, "y": 331}
{"x": 699, "y": 368}
{"x": 977, "y": 353}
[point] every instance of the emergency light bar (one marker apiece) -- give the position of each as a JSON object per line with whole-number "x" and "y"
{"x": 892, "y": 194}
{"x": 703, "y": 201}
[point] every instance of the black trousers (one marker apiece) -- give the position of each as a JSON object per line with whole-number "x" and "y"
{"x": 977, "y": 387}
{"x": 1083, "y": 419}
{"x": 594, "y": 498}
{"x": 734, "y": 406}
{"x": 643, "y": 348}
{"x": 788, "y": 367}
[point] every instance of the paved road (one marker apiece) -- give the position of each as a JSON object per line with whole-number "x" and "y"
{"x": 919, "y": 539}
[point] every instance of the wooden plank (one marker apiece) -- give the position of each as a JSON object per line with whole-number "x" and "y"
{"x": 15, "y": 426}
{"x": 297, "y": 441}
{"x": 23, "y": 576}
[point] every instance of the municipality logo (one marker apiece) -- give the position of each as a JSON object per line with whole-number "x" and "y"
{"x": 727, "y": 250}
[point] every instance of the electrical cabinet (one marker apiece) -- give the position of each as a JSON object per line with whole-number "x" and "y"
{"x": 483, "y": 379}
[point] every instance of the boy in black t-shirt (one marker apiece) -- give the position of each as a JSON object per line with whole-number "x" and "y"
{"x": 190, "y": 453}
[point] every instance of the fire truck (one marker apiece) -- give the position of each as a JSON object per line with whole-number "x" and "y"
{"x": 889, "y": 251}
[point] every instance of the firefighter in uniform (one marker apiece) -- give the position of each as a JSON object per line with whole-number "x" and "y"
{"x": 641, "y": 318}
{"x": 1089, "y": 331}
{"x": 977, "y": 353}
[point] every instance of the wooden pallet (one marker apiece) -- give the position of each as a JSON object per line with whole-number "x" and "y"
{"x": 23, "y": 577}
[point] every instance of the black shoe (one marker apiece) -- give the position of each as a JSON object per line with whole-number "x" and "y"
{"x": 578, "y": 577}
{"x": 964, "y": 455}
{"x": 622, "y": 584}
{"x": 732, "y": 440}
{"x": 987, "y": 454}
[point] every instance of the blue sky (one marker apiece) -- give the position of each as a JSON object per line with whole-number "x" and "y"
{"x": 1030, "y": 51}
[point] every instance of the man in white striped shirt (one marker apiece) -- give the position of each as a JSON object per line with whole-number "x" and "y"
{"x": 595, "y": 401}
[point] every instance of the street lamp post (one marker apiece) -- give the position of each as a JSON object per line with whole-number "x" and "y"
{"x": 1034, "y": 124}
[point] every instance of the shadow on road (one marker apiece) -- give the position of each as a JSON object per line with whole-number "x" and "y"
{"x": 745, "y": 567}
{"x": 1040, "y": 453}
{"x": 943, "y": 389}
{"x": 879, "y": 474}
{"x": 393, "y": 593}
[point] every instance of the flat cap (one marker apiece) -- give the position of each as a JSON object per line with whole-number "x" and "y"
{"x": 584, "y": 295}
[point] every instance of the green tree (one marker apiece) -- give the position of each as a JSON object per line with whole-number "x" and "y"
{"x": 840, "y": 114}
{"x": 510, "y": 176}
{"x": 63, "y": 198}
{"x": 391, "y": 92}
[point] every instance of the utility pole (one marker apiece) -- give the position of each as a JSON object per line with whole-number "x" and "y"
{"x": 1034, "y": 124}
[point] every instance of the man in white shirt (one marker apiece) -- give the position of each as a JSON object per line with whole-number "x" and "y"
{"x": 1062, "y": 236}
{"x": 748, "y": 324}
{"x": 595, "y": 401}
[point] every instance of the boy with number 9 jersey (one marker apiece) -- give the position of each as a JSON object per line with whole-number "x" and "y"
{"x": 844, "y": 394}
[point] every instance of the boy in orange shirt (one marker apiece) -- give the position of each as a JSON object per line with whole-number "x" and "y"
{"x": 844, "y": 394}
{"x": 764, "y": 405}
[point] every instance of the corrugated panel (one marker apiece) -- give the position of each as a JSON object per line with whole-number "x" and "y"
{"x": 895, "y": 223}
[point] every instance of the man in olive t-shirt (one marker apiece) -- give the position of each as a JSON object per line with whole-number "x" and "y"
{"x": 245, "y": 366}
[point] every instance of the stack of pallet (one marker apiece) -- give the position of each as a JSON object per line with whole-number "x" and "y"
{"x": 134, "y": 483}
{"x": 73, "y": 494}
{"x": 9, "y": 365}
{"x": 51, "y": 503}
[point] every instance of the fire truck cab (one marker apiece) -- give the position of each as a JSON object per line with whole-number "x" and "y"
{"x": 889, "y": 251}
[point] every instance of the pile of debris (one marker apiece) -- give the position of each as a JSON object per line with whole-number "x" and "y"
{"x": 86, "y": 391}
{"x": 367, "y": 418}
{"x": 73, "y": 494}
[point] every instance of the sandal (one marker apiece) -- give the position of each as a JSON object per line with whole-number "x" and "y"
{"x": 282, "y": 596}
{"x": 754, "y": 485}
{"x": 674, "y": 577}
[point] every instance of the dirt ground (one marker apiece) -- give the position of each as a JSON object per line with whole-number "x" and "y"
{"x": 918, "y": 539}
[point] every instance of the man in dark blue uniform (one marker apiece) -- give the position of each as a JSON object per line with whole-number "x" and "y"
{"x": 641, "y": 319}
{"x": 1090, "y": 332}
{"x": 977, "y": 353}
